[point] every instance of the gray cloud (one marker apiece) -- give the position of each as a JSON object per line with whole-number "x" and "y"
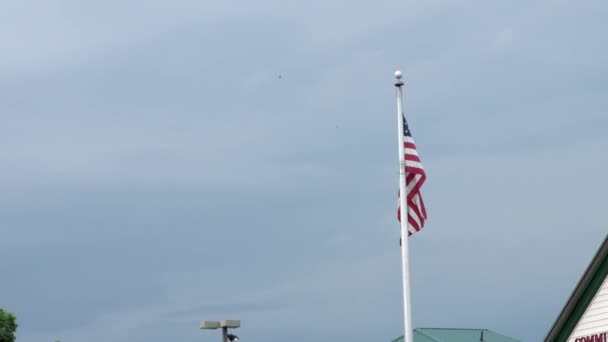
{"x": 157, "y": 171}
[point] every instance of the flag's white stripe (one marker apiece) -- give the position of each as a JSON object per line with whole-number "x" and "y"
{"x": 422, "y": 216}
{"x": 411, "y": 152}
{"x": 419, "y": 208}
{"x": 412, "y": 228}
{"x": 413, "y": 183}
{"x": 413, "y": 164}
{"x": 415, "y": 217}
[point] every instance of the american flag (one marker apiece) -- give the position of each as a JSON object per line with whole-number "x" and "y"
{"x": 415, "y": 177}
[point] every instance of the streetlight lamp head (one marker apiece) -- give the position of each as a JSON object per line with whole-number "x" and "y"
{"x": 210, "y": 325}
{"x": 233, "y": 338}
{"x": 230, "y": 323}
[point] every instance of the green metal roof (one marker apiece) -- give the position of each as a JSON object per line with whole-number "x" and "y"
{"x": 456, "y": 335}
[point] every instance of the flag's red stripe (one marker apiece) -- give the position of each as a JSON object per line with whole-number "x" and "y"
{"x": 422, "y": 207}
{"x": 413, "y": 223}
{"x": 412, "y": 157}
{"x": 412, "y": 170}
{"x": 413, "y": 206}
{"x": 409, "y": 177}
{"x": 415, "y": 189}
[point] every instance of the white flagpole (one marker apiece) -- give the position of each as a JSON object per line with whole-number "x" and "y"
{"x": 408, "y": 335}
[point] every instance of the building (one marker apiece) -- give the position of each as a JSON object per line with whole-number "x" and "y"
{"x": 457, "y": 335}
{"x": 584, "y": 318}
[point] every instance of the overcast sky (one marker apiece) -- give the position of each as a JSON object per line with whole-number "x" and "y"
{"x": 168, "y": 162}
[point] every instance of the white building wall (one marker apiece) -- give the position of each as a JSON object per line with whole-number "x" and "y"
{"x": 595, "y": 318}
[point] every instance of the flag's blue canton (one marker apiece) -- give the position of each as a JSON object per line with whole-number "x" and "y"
{"x": 406, "y": 128}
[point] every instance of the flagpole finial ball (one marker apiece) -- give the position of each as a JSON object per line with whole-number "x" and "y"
{"x": 398, "y": 74}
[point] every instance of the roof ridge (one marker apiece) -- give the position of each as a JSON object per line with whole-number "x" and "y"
{"x": 427, "y": 335}
{"x": 420, "y": 330}
{"x": 455, "y": 328}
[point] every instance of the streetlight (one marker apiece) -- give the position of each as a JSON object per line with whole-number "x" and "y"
{"x": 226, "y": 337}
